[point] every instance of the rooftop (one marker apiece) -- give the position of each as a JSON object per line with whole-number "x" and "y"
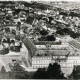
{"x": 74, "y": 43}
{"x": 46, "y": 42}
{"x": 52, "y": 53}
{"x": 30, "y": 46}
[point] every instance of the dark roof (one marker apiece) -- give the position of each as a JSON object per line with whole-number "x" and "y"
{"x": 30, "y": 46}
{"x": 4, "y": 51}
{"x": 47, "y": 42}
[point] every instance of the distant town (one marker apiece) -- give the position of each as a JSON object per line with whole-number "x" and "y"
{"x": 39, "y": 40}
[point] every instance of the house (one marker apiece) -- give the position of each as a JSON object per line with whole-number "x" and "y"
{"x": 10, "y": 26}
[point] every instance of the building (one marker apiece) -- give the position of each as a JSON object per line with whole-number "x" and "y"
{"x": 46, "y": 52}
{"x": 10, "y": 26}
{"x": 49, "y": 52}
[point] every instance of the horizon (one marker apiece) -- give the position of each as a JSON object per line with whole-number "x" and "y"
{"x": 45, "y": 0}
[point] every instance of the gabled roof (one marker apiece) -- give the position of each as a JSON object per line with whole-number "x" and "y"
{"x": 30, "y": 46}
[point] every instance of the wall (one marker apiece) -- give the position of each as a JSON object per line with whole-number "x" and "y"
{"x": 66, "y": 63}
{"x": 40, "y": 62}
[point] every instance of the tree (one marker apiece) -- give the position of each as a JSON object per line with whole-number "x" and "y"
{"x": 30, "y": 19}
{"x": 58, "y": 28}
{"x": 54, "y": 72}
{"x": 60, "y": 32}
{"x": 17, "y": 37}
{"x": 18, "y": 25}
{"x": 8, "y": 17}
{"x": 40, "y": 74}
{"x": 43, "y": 32}
{"x": 8, "y": 40}
{"x": 20, "y": 44}
{"x": 12, "y": 41}
{"x": 13, "y": 32}
{"x": 63, "y": 31}
{"x": 63, "y": 13}
{"x": 4, "y": 40}
{"x": 76, "y": 72}
{"x": 50, "y": 38}
{"x": 3, "y": 72}
{"x": 74, "y": 35}
{"x": 43, "y": 38}
{"x": 18, "y": 72}
{"x": 25, "y": 30}
{"x": 17, "y": 11}
{"x": 7, "y": 29}
{"x": 66, "y": 31}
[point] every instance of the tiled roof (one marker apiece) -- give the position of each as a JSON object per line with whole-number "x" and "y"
{"x": 30, "y": 46}
{"x": 75, "y": 44}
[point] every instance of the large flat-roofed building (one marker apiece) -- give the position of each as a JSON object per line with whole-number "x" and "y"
{"x": 44, "y": 53}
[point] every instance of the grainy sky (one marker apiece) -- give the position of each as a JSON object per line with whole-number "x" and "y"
{"x": 42, "y": 0}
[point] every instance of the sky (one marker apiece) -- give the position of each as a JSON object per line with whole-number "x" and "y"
{"x": 53, "y": 0}
{"x": 43, "y": 0}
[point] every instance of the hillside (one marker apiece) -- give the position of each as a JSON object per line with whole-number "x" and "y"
{"x": 27, "y": 4}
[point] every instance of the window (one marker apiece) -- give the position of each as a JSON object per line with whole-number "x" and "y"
{"x": 77, "y": 57}
{"x": 70, "y": 57}
{"x": 55, "y": 56}
{"x": 64, "y": 65}
{"x": 44, "y": 61}
{"x": 40, "y": 58}
{"x": 33, "y": 66}
{"x": 48, "y": 58}
{"x": 39, "y": 46}
{"x": 61, "y": 57}
{"x": 43, "y": 58}
{"x": 75, "y": 61}
{"x": 13, "y": 60}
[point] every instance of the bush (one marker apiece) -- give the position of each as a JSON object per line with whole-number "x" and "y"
{"x": 52, "y": 72}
